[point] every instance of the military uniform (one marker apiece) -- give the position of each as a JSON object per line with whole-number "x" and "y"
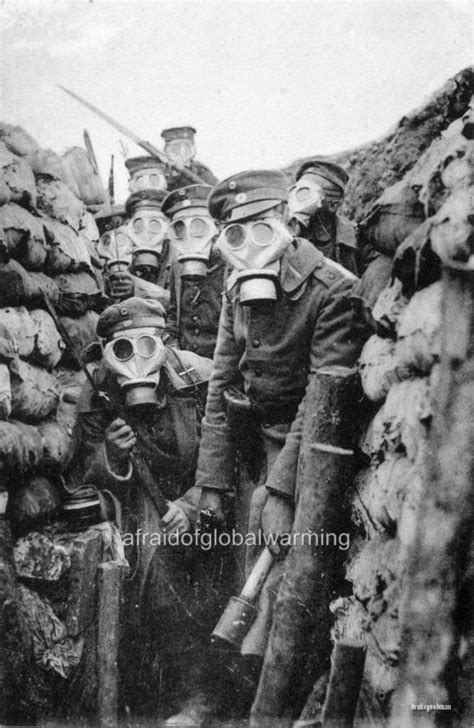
{"x": 159, "y": 593}
{"x": 194, "y": 309}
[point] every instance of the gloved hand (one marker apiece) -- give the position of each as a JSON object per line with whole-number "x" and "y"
{"x": 212, "y": 499}
{"x": 175, "y": 520}
{"x": 277, "y": 519}
{"x": 120, "y": 440}
{"x": 120, "y": 284}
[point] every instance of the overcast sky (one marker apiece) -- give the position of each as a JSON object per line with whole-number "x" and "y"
{"x": 263, "y": 82}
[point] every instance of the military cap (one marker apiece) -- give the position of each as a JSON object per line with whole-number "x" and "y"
{"x": 135, "y": 164}
{"x": 184, "y": 197}
{"x": 105, "y": 219}
{"x": 248, "y": 193}
{"x": 178, "y": 132}
{"x": 133, "y": 313}
{"x": 328, "y": 170}
{"x": 144, "y": 198}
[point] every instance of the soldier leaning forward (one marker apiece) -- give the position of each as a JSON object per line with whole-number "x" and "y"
{"x": 286, "y": 313}
{"x": 313, "y": 204}
{"x": 197, "y": 273}
{"x": 155, "y": 404}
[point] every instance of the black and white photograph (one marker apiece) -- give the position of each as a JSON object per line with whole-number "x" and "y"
{"x": 237, "y": 363}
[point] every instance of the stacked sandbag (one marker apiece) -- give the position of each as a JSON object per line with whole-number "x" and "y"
{"x": 416, "y": 225}
{"x": 47, "y": 237}
{"x": 82, "y": 176}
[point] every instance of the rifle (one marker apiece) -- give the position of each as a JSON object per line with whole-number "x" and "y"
{"x": 137, "y": 459}
{"x": 161, "y": 156}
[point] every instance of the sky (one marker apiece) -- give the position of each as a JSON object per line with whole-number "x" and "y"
{"x": 263, "y": 82}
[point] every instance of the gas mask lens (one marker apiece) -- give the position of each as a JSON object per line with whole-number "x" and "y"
{"x": 145, "y": 346}
{"x": 260, "y": 233}
{"x": 178, "y": 229}
{"x": 194, "y": 227}
{"x": 302, "y": 194}
{"x": 198, "y": 227}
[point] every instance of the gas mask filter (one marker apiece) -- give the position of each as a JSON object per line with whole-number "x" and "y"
{"x": 136, "y": 356}
{"x": 192, "y": 233}
{"x": 254, "y": 249}
{"x": 148, "y": 228}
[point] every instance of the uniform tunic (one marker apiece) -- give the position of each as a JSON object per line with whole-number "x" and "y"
{"x": 194, "y": 310}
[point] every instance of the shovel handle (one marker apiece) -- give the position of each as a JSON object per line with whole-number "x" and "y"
{"x": 259, "y": 573}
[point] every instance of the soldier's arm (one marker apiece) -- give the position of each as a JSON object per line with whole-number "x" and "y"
{"x": 337, "y": 340}
{"x": 215, "y": 459}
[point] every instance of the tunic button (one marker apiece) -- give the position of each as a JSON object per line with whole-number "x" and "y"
{"x": 331, "y": 275}
{"x": 195, "y": 318}
{"x": 258, "y": 372}
{"x": 256, "y": 343}
{"x": 196, "y": 331}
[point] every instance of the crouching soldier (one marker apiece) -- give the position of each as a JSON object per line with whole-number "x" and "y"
{"x": 197, "y": 273}
{"x": 141, "y": 451}
{"x": 286, "y": 313}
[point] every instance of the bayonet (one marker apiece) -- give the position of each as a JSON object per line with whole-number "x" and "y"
{"x": 161, "y": 156}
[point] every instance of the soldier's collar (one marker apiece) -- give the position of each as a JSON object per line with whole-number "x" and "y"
{"x": 297, "y": 264}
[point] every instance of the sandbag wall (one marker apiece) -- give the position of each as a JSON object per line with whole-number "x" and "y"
{"x": 416, "y": 225}
{"x": 47, "y": 249}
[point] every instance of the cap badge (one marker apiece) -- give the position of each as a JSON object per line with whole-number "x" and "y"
{"x": 241, "y": 197}
{"x": 232, "y": 185}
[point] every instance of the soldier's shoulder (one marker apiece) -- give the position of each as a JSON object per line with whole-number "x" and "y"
{"x": 329, "y": 273}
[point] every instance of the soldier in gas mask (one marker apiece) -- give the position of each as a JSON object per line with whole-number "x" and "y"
{"x": 144, "y": 268}
{"x": 154, "y": 404}
{"x": 197, "y": 274}
{"x": 286, "y": 312}
{"x": 313, "y": 205}
{"x": 180, "y": 146}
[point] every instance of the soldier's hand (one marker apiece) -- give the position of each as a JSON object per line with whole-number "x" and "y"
{"x": 212, "y": 499}
{"x": 175, "y": 520}
{"x": 120, "y": 284}
{"x": 277, "y": 520}
{"x": 120, "y": 440}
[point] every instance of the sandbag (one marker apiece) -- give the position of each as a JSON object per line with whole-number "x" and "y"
{"x": 24, "y": 236}
{"x": 5, "y": 195}
{"x": 47, "y": 162}
{"x": 79, "y": 168}
{"x": 367, "y": 289}
{"x": 5, "y": 393}
{"x": 19, "y": 287}
{"x": 49, "y": 346}
{"x": 18, "y": 141}
{"x": 405, "y": 417}
{"x": 21, "y": 447}
{"x": 375, "y": 567}
{"x": 79, "y": 294}
{"x": 418, "y": 344}
{"x": 35, "y": 393}
{"x": 56, "y": 444}
{"x": 380, "y": 496}
{"x": 416, "y": 265}
{"x": 33, "y": 504}
{"x": 20, "y": 181}
{"x": 81, "y": 282}
{"x": 388, "y": 308}
{"x": 17, "y": 325}
{"x": 393, "y": 216}
{"x": 372, "y": 439}
{"x": 56, "y": 200}
{"x": 452, "y": 231}
{"x": 82, "y": 332}
{"x": 67, "y": 252}
{"x": 446, "y": 164}
{"x": 380, "y": 367}
{"x": 66, "y": 414}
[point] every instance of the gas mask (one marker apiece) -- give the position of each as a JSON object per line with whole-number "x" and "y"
{"x": 148, "y": 228}
{"x": 254, "y": 249}
{"x": 309, "y": 195}
{"x": 115, "y": 247}
{"x": 136, "y": 356}
{"x": 192, "y": 232}
{"x": 181, "y": 151}
{"x": 147, "y": 179}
